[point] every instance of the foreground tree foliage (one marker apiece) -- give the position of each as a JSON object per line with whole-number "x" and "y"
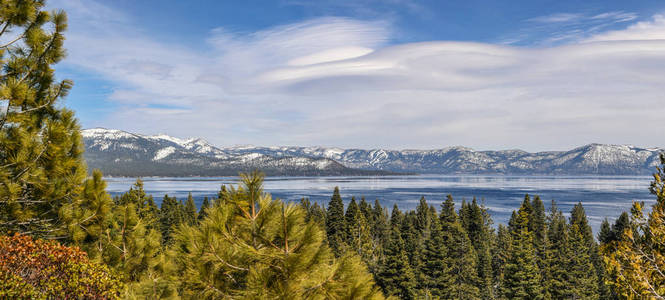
{"x": 37, "y": 269}
{"x": 41, "y": 150}
{"x": 635, "y": 252}
{"x": 251, "y": 246}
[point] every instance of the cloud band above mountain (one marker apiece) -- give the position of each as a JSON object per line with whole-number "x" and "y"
{"x": 340, "y": 81}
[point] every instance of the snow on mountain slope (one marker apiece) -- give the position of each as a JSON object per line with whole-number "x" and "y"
{"x": 120, "y": 153}
{"x": 591, "y": 159}
{"x": 163, "y": 153}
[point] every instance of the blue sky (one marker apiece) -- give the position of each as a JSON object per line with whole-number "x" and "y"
{"x": 536, "y": 75}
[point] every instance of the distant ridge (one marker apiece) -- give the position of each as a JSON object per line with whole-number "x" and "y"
{"x": 120, "y": 153}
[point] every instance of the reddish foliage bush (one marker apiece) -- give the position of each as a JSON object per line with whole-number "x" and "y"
{"x": 32, "y": 269}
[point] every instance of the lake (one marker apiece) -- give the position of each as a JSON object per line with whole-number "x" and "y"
{"x": 602, "y": 196}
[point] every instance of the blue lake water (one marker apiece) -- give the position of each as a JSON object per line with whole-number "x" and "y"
{"x": 602, "y": 196}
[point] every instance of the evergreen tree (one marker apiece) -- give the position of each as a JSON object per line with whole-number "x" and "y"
{"x": 538, "y": 226}
{"x": 380, "y": 225}
{"x": 363, "y": 244}
{"x": 435, "y": 269}
{"x": 500, "y": 255}
{"x": 366, "y": 210}
{"x": 145, "y": 203}
{"x": 351, "y": 218}
{"x": 254, "y": 247}
{"x": 423, "y": 219}
{"x": 636, "y": 260}
{"x": 203, "y": 211}
{"x": 41, "y": 157}
{"x": 336, "y": 224}
{"x": 558, "y": 254}
{"x": 411, "y": 238}
{"x": 190, "y": 210}
{"x": 89, "y": 219}
{"x": 479, "y": 232}
{"x": 609, "y": 234}
{"x": 583, "y": 277}
{"x": 396, "y": 276}
{"x": 578, "y": 218}
{"x": 125, "y": 236}
{"x": 460, "y": 257}
{"x": 448, "y": 215}
{"x": 315, "y": 212}
{"x": 170, "y": 217}
{"x": 522, "y": 279}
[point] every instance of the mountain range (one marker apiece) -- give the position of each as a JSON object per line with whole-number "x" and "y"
{"x": 121, "y": 153}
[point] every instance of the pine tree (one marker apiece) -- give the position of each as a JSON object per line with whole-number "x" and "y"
{"x": 366, "y": 210}
{"x": 363, "y": 244}
{"x": 636, "y": 260}
{"x": 129, "y": 239}
{"x": 396, "y": 276}
{"x": 423, "y": 220}
{"x": 558, "y": 254}
{"x": 448, "y": 215}
{"x": 336, "y": 224}
{"x": 460, "y": 257}
{"x": 89, "y": 219}
{"x": 360, "y": 235}
{"x": 170, "y": 217}
{"x": 41, "y": 157}
{"x": 190, "y": 211}
{"x": 145, "y": 203}
{"x": 203, "y": 211}
{"x": 479, "y": 231}
{"x": 314, "y": 212}
{"x": 411, "y": 238}
{"x": 538, "y": 226}
{"x": 613, "y": 233}
{"x": 583, "y": 282}
{"x": 351, "y": 218}
{"x": 500, "y": 255}
{"x": 254, "y": 247}
{"x": 380, "y": 226}
{"x": 435, "y": 270}
{"x": 578, "y": 218}
{"x": 522, "y": 279}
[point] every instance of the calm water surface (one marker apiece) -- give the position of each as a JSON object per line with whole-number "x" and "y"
{"x": 602, "y": 196}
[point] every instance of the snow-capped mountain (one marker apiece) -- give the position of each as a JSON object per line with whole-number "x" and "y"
{"x": 120, "y": 153}
{"x": 119, "y": 150}
{"x": 593, "y": 159}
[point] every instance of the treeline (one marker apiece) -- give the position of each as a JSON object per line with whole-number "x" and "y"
{"x": 426, "y": 253}
{"x": 454, "y": 253}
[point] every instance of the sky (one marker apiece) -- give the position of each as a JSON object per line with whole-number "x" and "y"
{"x": 399, "y": 74}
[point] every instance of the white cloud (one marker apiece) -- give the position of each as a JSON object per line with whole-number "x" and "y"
{"x": 653, "y": 29}
{"x": 557, "y": 18}
{"x": 337, "y": 81}
{"x": 566, "y": 28}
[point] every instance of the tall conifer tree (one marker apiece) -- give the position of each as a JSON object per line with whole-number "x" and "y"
{"x": 190, "y": 210}
{"x": 203, "y": 211}
{"x": 336, "y": 224}
{"x": 396, "y": 276}
{"x": 522, "y": 279}
{"x": 41, "y": 156}
{"x": 460, "y": 256}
